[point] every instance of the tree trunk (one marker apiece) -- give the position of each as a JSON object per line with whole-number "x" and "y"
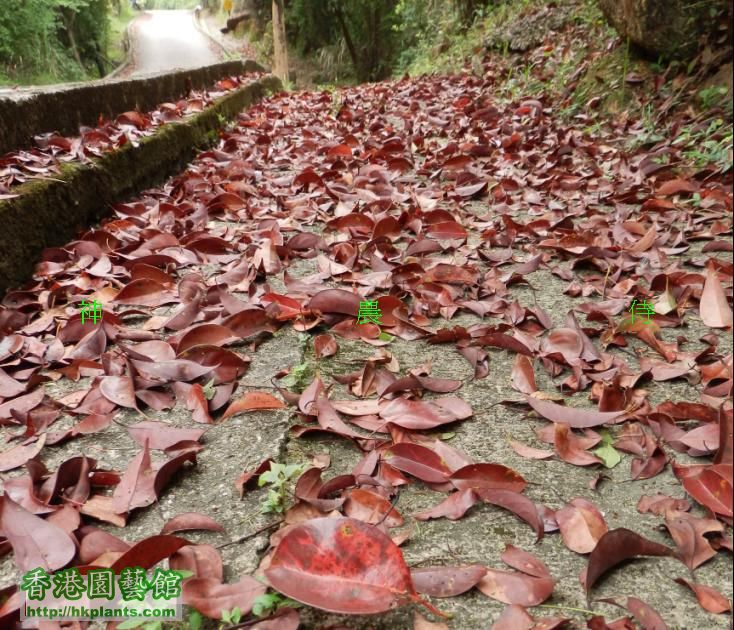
{"x": 69, "y": 26}
{"x": 280, "y": 46}
{"x": 348, "y": 39}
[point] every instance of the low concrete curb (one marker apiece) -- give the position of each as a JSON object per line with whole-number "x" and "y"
{"x": 63, "y": 108}
{"x": 50, "y": 212}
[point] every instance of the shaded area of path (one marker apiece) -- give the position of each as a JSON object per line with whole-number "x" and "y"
{"x": 164, "y": 40}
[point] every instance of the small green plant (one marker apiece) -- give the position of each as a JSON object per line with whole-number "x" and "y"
{"x": 195, "y": 620}
{"x": 606, "y": 452}
{"x": 232, "y": 617}
{"x": 711, "y": 146}
{"x": 268, "y": 603}
{"x": 278, "y": 477}
{"x": 711, "y": 96}
{"x": 209, "y": 390}
{"x": 299, "y": 376}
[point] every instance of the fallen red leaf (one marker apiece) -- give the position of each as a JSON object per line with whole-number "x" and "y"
{"x": 714, "y": 308}
{"x": 342, "y": 566}
{"x": 446, "y": 581}
{"x": 581, "y": 525}
{"x": 710, "y": 599}
{"x": 616, "y": 546}
{"x": 35, "y": 542}
{"x": 489, "y": 476}
{"x": 530, "y": 585}
{"x": 253, "y": 401}
{"x": 573, "y": 417}
{"x": 191, "y": 520}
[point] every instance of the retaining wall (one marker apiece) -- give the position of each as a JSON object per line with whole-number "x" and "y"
{"x": 50, "y": 212}
{"x": 63, "y": 108}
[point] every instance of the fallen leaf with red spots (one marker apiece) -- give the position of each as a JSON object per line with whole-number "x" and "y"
{"x": 342, "y": 566}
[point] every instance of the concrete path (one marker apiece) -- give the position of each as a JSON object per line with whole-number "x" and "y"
{"x": 164, "y": 40}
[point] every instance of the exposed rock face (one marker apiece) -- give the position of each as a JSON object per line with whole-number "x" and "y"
{"x": 671, "y": 28}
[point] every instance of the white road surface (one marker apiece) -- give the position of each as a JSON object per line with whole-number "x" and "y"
{"x": 165, "y": 40}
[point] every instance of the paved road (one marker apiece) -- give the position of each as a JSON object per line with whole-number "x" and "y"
{"x": 163, "y": 40}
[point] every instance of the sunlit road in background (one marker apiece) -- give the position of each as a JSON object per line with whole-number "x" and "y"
{"x": 164, "y": 40}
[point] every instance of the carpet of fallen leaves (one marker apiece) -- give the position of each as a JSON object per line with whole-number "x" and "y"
{"x": 52, "y": 149}
{"x": 433, "y": 199}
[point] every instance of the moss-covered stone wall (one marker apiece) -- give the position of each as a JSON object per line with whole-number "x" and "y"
{"x": 63, "y": 108}
{"x": 48, "y": 213}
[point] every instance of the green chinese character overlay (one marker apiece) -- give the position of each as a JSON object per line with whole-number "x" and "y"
{"x": 166, "y": 584}
{"x": 132, "y": 583}
{"x": 643, "y": 309}
{"x": 35, "y": 583}
{"x": 91, "y": 311}
{"x": 101, "y": 583}
{"x": 69, "y": 584}
{"x": 369, "y": 311}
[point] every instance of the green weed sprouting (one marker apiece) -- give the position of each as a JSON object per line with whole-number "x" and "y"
{"x": 278, "y": 477}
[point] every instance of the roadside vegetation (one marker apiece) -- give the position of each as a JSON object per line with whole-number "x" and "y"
{"x": 52, "y": 41}
{"x": 565, "y": 53}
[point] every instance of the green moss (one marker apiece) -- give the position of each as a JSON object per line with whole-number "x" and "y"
{"x": 49, "y": 212}
{"x": 606, "y": 77}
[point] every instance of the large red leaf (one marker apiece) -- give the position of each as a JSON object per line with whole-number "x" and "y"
{"x": 119, "y": 390}
{"x": 149, "y": 552}
{"x": 370, "y": 507}
{"x": 420, "y": 414}
{"x": 341, "y": 565}
{"x": 145, "y": 292}
{"x": 134, "y": 489}
{"x": 335, "y": 301}
{"x": 161, "y": 436}
{"x": 253, "y": 401}
{"x": 452, "y": 507}
{"x": 203, "y": 561}
{"x": 570, "y": 448}
{"x": 518, "y": 504}
{"x": 689, "y": 533}
{"x": 206, "y": 335}
{"x": 20, "y": 454}
{"x": 191, "y": 520}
